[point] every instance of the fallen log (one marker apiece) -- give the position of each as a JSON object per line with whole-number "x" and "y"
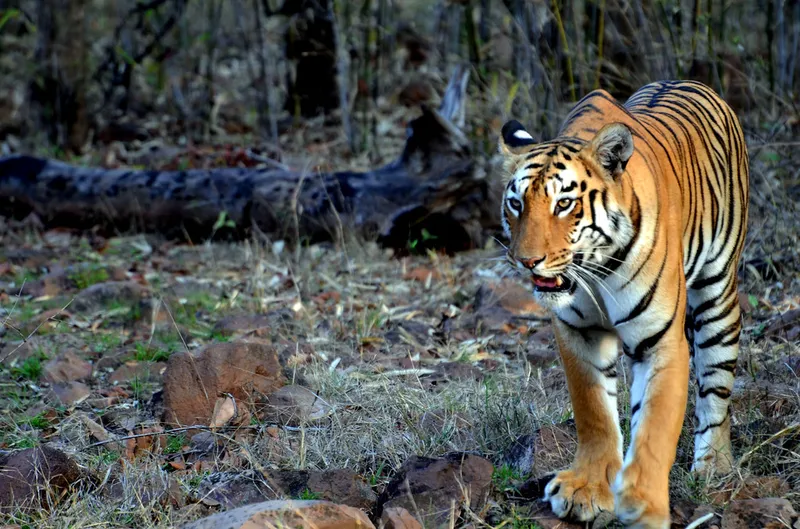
{"x": 431, "y": 194}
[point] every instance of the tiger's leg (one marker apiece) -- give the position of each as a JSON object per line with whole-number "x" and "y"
{"x": 716, "y": 324}
{"x": 590, "y": 362}
{"x": 660, "y": 366}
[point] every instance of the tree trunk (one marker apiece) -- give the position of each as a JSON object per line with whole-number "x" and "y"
{"x": 311, "y": 46}
{"x": 58, "y": 93}
{"x": 430, "y": 194}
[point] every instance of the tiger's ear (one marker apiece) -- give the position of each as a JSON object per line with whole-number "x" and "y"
{"x": 514, "y": 139}
{"x": 613, "y": 147}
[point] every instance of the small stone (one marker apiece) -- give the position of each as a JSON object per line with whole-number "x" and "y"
{"x": 297, "y": 514}
{"x": 342, "y": 486}
{"x": 398, "y": 518}
{"x": 70, "y": 393}
{"x": 66, "y": 367}
{"x": 99, "y": 296}
{"x": 430, "y": 487}
{"x": 765, "y": 513}
{"x": 142, "y": 371}
{"x": 295, "y": 405}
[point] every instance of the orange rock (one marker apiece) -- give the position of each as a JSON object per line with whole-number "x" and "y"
{"x": 297, "y": 514}
{"x": 193, "y": 380}
{"x": 398, "y": 518}
{"x": 67, "y": 367}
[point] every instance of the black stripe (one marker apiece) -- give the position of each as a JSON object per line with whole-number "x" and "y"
{"x": 650, "y": 342}
{"x": 583, "y": 331}
{"x": 609, "y": 371}
{"x": 724, "y": 313}
{"x": 722, "y": 392}
{"x": 699, "y": 431}
{"x": 720, "y": 336}
{"x": 635, "y": 408}
{"x": 620, "y": 255}
{"x": 700, "y": 284}
{"x": 725, "y": 365}
{"x": 648, "y": 296}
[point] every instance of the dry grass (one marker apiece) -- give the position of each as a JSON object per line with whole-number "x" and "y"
{"x": 383, "y": 411}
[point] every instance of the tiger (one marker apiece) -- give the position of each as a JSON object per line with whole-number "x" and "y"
{"x": 630, "y": 226}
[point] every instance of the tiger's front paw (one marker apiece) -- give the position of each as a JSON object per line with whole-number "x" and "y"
{"x": 641, "y": 500}
{"x": 581, "y": 493}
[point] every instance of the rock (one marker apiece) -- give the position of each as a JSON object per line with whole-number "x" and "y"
{"x": 142, "y": 371}
{"x": 786, "y": 326}
{"x": 234, "y": 489}
{"x": 66, "y": 367}
{"x": 285, "y": 514}
{"x": 752, "y": 488}
{"x": 295, "y": 405}
{"x": 342, "y": 486}
{"x": 765, "y": 513}
{"x": 70, "y": 393}
{"x": 36, "y": 478}
{"x": 194, "y": 380}
{"x": 99, "y": 296}
{"x": 548, "y": 449}
{"x": 398, "y": 518}
{"x": 428, "y": 487}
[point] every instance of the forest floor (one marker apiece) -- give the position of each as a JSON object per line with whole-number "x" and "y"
{"x": 416, "y": 356}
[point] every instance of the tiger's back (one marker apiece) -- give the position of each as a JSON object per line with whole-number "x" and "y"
{"x": 694, "y": 141}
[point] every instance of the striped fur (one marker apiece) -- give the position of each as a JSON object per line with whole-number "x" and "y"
{"x": 630, "y": 225}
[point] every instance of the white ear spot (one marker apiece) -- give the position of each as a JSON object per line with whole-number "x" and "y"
{"x": 523, "y": 135}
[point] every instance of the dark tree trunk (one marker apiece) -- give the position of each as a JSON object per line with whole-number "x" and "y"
{"x": 432, "y": 186}
{"x": 58, "y": 92}
{"x": 311, "y": 45}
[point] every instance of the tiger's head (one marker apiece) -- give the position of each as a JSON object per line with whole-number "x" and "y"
{"x": 563, "y": 208}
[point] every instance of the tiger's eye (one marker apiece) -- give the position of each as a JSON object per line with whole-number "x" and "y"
{"x": 564, "y": 203}
{"x": 515, "y": 204}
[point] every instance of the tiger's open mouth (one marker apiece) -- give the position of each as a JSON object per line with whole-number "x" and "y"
{"x": 558, "y": 283}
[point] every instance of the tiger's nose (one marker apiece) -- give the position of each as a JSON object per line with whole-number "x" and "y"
{"x": 530, "y": 262}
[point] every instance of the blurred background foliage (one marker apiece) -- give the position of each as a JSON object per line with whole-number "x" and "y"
{"x": 77, "y": 74}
